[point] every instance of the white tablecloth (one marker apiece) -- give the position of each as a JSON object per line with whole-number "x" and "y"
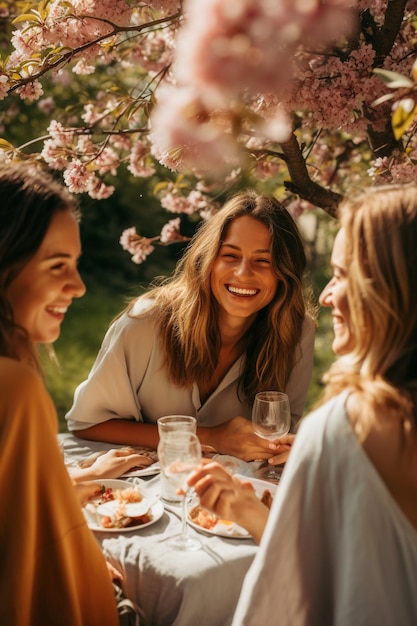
{"x": 173, "y": 588}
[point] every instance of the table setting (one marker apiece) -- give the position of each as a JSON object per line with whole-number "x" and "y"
{"x": 182, "y": 565}
{"x": 172, "y": 587}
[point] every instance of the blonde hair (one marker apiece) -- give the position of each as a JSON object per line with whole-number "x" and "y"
{"x": 188, "y": 315}
{"x": 381, "y": 259}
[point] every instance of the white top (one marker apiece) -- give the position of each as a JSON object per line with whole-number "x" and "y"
{"x": 337, "y": 549}
{"x": 128, "y": 380}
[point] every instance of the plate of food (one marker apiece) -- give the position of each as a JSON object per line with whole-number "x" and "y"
{"x": 203, "y": 521}
{"x": 121, "y": 506}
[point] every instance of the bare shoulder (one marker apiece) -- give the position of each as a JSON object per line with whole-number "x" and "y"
{"x": 390, "y": 443}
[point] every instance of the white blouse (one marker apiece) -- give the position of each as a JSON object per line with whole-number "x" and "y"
{"x": 128, "y": 380}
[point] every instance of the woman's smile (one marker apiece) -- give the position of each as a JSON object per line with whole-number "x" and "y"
{"x": 243, "y": 280}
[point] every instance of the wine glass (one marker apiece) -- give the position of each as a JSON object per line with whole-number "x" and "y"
{"x": 271, "y": 418}
{"x": 179, "y": 454}
{"x": 167, "y": 425}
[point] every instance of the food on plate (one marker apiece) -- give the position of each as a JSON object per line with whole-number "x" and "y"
{"x": 200, "y": 516}
{"x": 121, "y": 513}
{"x": 204, "y": 519}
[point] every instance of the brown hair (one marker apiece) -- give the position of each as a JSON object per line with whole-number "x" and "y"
{"x": 29, "y": 200}
{"x": 187, "y": 311}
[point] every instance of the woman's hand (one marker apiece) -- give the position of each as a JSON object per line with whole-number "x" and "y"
{"x": 237, "y": 438}
{"x": 229, "y": 498}
{"x": 282, "y": 448}
{"x": 111, "y": 464}
{"x": 87, "y": 491}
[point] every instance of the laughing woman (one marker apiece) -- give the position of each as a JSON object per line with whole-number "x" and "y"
{"x": 340, "y": 543}
{"x": 233, "y": 320}
{"x": 52, "y": 570}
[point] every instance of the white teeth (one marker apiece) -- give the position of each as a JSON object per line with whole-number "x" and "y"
{"x": 242, "y": 292}
{"x": 58, "y": 309}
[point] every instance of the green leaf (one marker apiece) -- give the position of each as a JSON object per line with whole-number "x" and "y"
{"x": 393, "y": 79}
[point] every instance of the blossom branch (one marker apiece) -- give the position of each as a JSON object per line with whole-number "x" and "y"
{"x": 68, "y": 56}
{"x": 301, "y": 183}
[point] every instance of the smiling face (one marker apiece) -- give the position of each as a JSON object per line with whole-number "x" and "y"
{"x": 334, "y": 295}
{"x": 242, "y": 278}
{"x": 43, "y": 290}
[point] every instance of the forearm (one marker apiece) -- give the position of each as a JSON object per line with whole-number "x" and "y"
{"x": 123, "y": 432}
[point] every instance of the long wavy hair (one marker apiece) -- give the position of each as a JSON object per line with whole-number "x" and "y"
{"x": 29, "y": 200}
{"x": 381, "y": 260}
{"x": 187, "y": 312}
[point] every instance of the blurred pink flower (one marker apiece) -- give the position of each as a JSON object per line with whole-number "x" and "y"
{"x": 139, "y": 247}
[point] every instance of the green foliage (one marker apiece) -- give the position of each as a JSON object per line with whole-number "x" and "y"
{"x": 82, "y": 332}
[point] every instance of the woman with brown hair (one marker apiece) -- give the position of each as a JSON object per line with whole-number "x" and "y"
{"x": 234, "y": 319}
{"x": 340, "y": 543}
{"x": 52, "y": 570}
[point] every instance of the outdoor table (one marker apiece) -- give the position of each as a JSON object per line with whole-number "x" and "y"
{"x": 171, "y": 587}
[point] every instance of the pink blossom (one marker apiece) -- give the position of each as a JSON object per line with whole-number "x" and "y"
{"x": 60, "y": 135}
{"x": 82, "y": 67}
{"x": 55, "y": 155}
{"x": 46, "y": 105}
{"x": 77, "y": 177}
{"x": 166, "y": 6}
{"x": 225, "y": 47}
{"x": 185, "y": 135}
{"x": 139, "y": 247}
{"x": 138, "y": 165}
{"x": 31, "y": 91}
{"x": 171, "y": 232}
{"x": 98, "y": 190}
{"x": 142, "y": 252}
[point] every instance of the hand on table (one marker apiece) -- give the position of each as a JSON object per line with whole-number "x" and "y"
{"x": 111, "y": 464}
{"x": 229, "y": 498}
{"x": 237, "y": 438}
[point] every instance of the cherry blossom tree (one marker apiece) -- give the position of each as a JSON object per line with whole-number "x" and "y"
{"x": 312, "y": 97}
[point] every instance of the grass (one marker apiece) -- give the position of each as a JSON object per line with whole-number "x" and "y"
{"x": 81, "y": 336}
{"x": 84, "y": 328}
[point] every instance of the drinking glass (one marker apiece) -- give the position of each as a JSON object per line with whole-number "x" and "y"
{"x": 271, "y": 418}
{"x": 173, "y": 423}
{"x": 179, "y": 454}
{"x": 167, "y": 425}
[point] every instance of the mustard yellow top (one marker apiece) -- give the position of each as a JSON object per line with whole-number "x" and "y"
{"x": 52, "y": 571}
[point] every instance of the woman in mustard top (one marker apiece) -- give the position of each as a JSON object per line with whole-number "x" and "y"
{"x": 51, "y": 568}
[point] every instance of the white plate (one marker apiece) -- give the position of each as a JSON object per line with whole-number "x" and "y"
{"x": 258, "y": 484}
{"x": 222, "y": 529}
{"x": 91, "y": 515}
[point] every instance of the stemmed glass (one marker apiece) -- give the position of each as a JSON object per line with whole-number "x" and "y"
{"x": 179, "y": 454}
{"x": 271, "y": 418}
{"x": 167, "y": 425}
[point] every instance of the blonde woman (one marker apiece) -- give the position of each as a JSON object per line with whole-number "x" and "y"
{"x": 234, "y": 319}
{"x": 340, "y": 542}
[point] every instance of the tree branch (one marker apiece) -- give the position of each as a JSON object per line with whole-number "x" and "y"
{"x": 68, "y": 56}
{"x": 301, "y": 183}
{"x": 385, "y": 36}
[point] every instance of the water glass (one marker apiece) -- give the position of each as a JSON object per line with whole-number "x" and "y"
{"x": 167, "y": 425}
